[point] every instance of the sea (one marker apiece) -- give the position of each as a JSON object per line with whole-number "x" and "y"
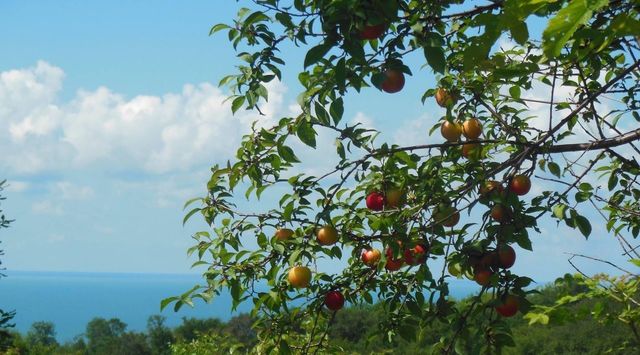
{"x": 70, "y": 300}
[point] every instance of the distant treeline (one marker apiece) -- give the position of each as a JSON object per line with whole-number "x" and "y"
{"x": 355, "y": 329}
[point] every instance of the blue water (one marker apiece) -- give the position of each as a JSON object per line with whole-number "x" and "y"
{"x": 70, "y": 300}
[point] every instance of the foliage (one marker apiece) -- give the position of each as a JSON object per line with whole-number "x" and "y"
{"x": 42, "y": 333}
{"x": 603, "y": 300}
{"x": 191, "y": 327}
{"x": 110, "y": 337}
{"x": 206, "y": 343}
{"x": 5, "y": 316}
{"x": 354, "y": 331}
{"x": 587, "y": 48}
{"x": 160, "y": 336}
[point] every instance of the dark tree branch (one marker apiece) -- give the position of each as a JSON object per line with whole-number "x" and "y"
{"x": 588, "y": 100}
{"x": 601, "y": 144}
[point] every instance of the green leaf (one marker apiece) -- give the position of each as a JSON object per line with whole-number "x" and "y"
{"x": 583, "y": 225}
{"x": 191, "y": 213}
{"x": 613, "y": 180}
{"x": 316, "y": 53}
{"x": 554, "y": 168}
{"x": 436, "y": 59}
{"x": 287, "y": 154}
{"x": 295, "y": 256}
{"x": 537, "y": 318}
{"x": 625, "y": 25}
{"x": 523, "y": 241}
{"x": 257, "y": 16}
{"x": 520, "y": 32}
{"x": 284, "y": 348}
{"x": 307, "y": 134}
{"x": 562, "y": 27}
{"x": 582, "y": 196}
{"x": 237, "y": 103}
{"x": 190, "y": 201}
{"x": 514, "y": 91}
{"x": 165, "y": 302}
{"x": 218, "y": 27}
{"x": 336, "y": 110}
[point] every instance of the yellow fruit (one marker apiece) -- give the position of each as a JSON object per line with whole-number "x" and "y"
{"x": 284, "y": 233}
{"x": 299, "y": 276}
{"x": 451, "y": 131}
{"x": 444, "y": 98}
{"x": 327, "y": 235}
{"x": 472, "y": 128}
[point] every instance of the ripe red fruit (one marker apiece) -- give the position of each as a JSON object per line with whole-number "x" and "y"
{"x": 393, "y": 81}
{"x": 372, "y": 31}
{"x": 520, "y": 185}
{"x": 488, "y": 261}
{"x": 392, "y": 263}
{"x": 334, "y": 300}
{"x": 506, "y": 256}
{"x": 500, "y": 213}
{"x": 375, "y": 201}
{"x": 416, "y": 255}
{"x": 482, "y": 276}
{"x": 509, "y": 306}
{"x": 371, "y": 257}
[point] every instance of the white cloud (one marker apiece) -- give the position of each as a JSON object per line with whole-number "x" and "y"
{"x": 17, "y": 186}
{"x": 47, "y": 207}
{"x": 364, "y": 120}
{"x": 105, "y": 130}
{"x": 416, "y": 131}
{"x": 68, "y": 191}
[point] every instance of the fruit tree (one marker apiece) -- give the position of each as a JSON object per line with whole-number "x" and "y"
{"x": 405, "y": 220}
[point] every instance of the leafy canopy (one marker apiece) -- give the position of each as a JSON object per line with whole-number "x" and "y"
{"x": 588, "y": 48}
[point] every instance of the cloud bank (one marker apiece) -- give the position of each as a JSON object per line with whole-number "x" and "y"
{"x": 105, "y": 130}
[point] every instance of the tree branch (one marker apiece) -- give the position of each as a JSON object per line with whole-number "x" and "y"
{"x": 588, "y": 100}
{"x": 600, "y": 144}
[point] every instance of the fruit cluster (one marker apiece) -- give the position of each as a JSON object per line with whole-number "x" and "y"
{"x": 486, "y": 265}
{"x": 483, "y": 263}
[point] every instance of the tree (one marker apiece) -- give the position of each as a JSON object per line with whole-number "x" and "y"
{"x": 204, "y": 344}
{"x": 42, "y": 333}
{"x": 191, "y": 327}
{"x": 491, "y": 149}
{"x": 239, "y": 327}
{"x": 5, "y": 316}
{"x": 160, "y": 336}
{"x": 110, "y": 337}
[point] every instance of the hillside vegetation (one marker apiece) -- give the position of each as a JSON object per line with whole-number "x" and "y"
{"x": 356, "y": 330}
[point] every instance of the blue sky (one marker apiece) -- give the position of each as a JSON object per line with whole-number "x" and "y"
{"x": 111, "y": 119}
